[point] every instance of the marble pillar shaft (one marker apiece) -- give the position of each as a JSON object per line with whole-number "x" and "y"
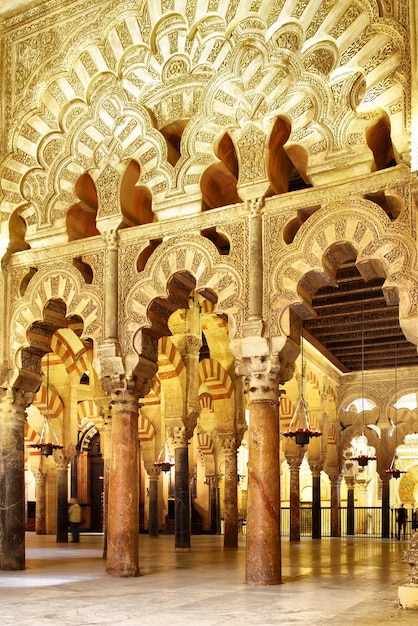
{"x": 385, "y": 508}
{"x": 231, "y": 496}
{"x": 335, "y": 506}
{"x": 263, "y": 558}
{"x": 182, "y": 519}
{"x": 316, "y": 507}
{"x": 62, "y": 504}
{"x": 40, "y": 522}
{"x": 153, "y": 530}
{"x": 123, "y": 515}
{"x": 350, "y": 510}
{"x": 214, "y": 505}
{"x": 294, "y": 500}
{"x": 12, "y": 483}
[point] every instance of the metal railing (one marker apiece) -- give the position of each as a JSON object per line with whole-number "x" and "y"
{"x": 366, "y": 522}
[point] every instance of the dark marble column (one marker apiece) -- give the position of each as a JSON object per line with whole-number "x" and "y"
{"x": 12, "y": 482}
{"x": 40, "y": 524}
{"x": 350, "y": 505}
{"x": 316, "y": 502}
{"x": 294, "y": 465}
{"x": 213, "y": 482}
{"x": 182, "y": 520}
{"x": 62, "y": 497}
{"x": 123, "y": 516}
{"x": 230, "y": 492}
{"x": 335, "y": 480}
{"x": 154, "y": 474}
{"x": 385, "y": 507}
{"x": 263, "y": 551}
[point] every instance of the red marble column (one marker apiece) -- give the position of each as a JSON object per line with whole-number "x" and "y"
{"x": 123, "y": 516}
{"x": 40, "y": 524}
{"x": 230, "y": 493}
{"x": 263, "y": 553}
{"x": 12, "y": 482}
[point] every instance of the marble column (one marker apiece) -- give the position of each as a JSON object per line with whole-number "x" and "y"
{"x": 154, "y": 474}
{"x": 40, "y": 524}
{"x": 263, "y": 545}
{"x": 12, "y": 482}
{"x": 213, "y": 482}
{"x": 385, "y": 506}
{"x": 350, "y": 505}
{"x": 107, "y": 431}
{"x": 229, "y": 445}
{"x": 62, "y": 497}
{"x": 123, "y": 515}
{"x": 182, "y": 520}
{"x": 294, "y": 466}
{"x": 335, "y": 480}
{"x": 316, "y": 502}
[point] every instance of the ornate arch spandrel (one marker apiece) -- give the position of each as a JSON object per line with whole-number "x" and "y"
{"x": 378, "y": 242}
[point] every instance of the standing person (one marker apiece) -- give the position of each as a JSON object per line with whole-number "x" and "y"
{"x": 74, "y": 519}
{"x": 402, "y": 518}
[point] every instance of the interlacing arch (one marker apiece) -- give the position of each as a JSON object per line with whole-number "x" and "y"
{"x": 309, "y": 263}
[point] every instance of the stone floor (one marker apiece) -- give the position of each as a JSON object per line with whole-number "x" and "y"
{"x": 329, "y": 581}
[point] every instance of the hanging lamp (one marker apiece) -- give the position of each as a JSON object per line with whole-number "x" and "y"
{"x": 363, "y": 456}
{"x": 45, "y": 445}
{"x": 163, "y": 461}
{"x": 392, "y": 469}
{"x": 299, "y": 426}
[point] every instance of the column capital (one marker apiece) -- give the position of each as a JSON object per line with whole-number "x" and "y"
{"x": 180, "y": 437}
{"x": 153, "y": 471}
{"x": 229, "y": 443}
{"x": 261, "y": 375}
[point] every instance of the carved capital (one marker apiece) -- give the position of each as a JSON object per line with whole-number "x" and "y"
{"x": 153, "y": 471}
{"x": 179, "y": 437}
{"x": 261, "y": 377}
{"x": 229, "y": 444}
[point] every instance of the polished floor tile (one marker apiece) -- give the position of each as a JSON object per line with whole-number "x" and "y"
{"x": 329, "y": 581}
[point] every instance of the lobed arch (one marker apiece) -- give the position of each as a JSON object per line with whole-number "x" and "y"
{"x": 74, "y": 301}
{"x": 333, "y": 231}
{"x": 177, "y": 267}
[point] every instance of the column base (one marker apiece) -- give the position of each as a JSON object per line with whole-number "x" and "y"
{"x": 122, "y": 573}
{"x": 182, "y": 549}
{"x": 408, "y": 596}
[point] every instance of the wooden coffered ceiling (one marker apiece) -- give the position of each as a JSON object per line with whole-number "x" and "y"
{"x": 354, "y": 319}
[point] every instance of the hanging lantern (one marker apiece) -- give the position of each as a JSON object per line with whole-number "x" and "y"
{"x": 163, "y": 461}
{"x": 363, "y": 455}
{"x": 299, "y": 426}
{"x": 392, "y": 469}
{"x": 46, "y": 446}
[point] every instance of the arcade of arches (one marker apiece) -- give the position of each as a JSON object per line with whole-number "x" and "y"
{"x": 190, "y": 192}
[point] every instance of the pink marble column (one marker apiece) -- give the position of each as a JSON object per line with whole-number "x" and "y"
{"x": 123, "y": 517}
{"x": 263, "y": 552}
{"x": 40, "y": 524}
{"x": 230, "y": 493}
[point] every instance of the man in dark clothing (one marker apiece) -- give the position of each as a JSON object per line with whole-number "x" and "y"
{"x": 402, "y": 518}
